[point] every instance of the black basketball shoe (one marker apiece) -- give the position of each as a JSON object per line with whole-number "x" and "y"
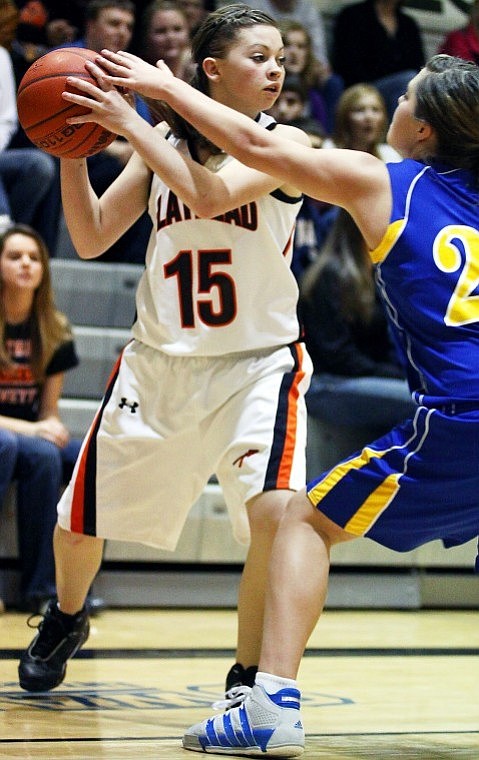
{"x": 239, "y": 683}
{"x": 43, "y": 665}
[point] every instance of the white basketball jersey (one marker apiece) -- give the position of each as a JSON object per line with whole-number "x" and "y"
{"x": 222, "y": 285}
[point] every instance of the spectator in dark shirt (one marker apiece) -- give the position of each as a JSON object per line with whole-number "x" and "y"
{"x": 375, "y": 41}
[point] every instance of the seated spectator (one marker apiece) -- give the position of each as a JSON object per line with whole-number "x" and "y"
{"x": 195, "y": 12}
{"x": 31, "y": 38}
{"x": 322, "y": 86}
{"x": 27, "y": 174}
{"x": 166, "y": 36}
{"x": 303, "y": 11}
{"x": 57, "y": 22}
{"x": 358, "y": 379}
{"x": 36, "y": 348}
{"x": 289, "y": 109}
{"x": 109, "y": 24}
{"x": 464, "y": 42}
{"x": 375, "y": 41}
{"x": 362, "y": 122}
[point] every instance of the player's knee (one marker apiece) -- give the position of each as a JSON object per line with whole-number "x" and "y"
{"x": 265, "y": 513}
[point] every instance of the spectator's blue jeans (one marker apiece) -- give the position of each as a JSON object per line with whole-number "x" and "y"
{"x": 39, "y": 468}
{"x": 26, "y": 175}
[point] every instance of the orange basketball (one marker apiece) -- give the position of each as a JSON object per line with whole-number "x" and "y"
{"x": 42, "y": 112}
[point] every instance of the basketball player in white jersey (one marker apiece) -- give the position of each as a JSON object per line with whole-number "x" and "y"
{"x": 214, "y": 378}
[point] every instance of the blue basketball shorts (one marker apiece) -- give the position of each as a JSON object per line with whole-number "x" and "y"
{"x": 418, "y": 483}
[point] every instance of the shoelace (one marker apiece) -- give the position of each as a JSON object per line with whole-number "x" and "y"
{"x": 234, "y": 697}
{"x": 47, "y": 639}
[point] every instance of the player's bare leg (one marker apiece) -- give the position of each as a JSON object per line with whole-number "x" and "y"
{"x": 65, "y": 626}
{"x": 298, "y": 584}
{"x": 77, "y": 561}
{"x": 264, "y": 514}
{"x": 295, "y": 594}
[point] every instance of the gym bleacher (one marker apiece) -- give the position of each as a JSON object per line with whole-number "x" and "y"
{"x": 99, "y": 300}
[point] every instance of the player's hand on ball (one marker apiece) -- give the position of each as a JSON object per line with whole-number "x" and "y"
{"x": 107, "y": 105}
{"x": 133, "y": 72}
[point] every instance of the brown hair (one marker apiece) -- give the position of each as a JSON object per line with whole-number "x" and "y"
{"x": 309, "y": 74}
{"x": 50, "y": 328}
{"x": 447, "y": 98}
{"x": 95, "y": 7}
{"x": 146, "y": 19}
{"x": 214, "y": 38}
{"x": 345, "y": 252}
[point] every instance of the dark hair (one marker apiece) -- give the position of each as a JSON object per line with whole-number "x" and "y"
{"x": 214, "y": 38}
{"x": 344, "y": 251}
{"x": 294, "y": 83}
{"x": 447, "y": 98}
{"x": 95, "y": 7}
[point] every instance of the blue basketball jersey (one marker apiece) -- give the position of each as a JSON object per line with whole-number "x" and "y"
{"x": 420, "y": 481}
{"x": 428, "y": 274}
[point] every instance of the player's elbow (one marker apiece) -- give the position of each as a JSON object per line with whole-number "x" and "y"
{"x": 205, "y": 207}
{"x": 212, "y": 202}
{"x": 249, "y": 146}
{"x": 88, "y": 249}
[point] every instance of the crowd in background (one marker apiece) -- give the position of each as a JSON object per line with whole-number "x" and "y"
{"x": 341, "y": 87}
{"x": 373, "y": 41}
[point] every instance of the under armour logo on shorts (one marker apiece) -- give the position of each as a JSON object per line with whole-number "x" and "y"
{"x": 132, "y": 405}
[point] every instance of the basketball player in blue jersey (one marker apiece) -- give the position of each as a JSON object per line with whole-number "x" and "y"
{"x": 214, "y": 378}
{"x": 420, "y": 482}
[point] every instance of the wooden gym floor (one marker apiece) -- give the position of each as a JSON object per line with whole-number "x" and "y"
{"x": 376, "y": 685}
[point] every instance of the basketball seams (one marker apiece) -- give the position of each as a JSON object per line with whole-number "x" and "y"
{"x": 73, "y": 108}
{"x": 42, "y": 112}
{"x": 56, "y": 75}
{"x": 87, "y": 137}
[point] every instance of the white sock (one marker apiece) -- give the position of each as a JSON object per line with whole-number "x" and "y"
{"x": 272, "y": 683}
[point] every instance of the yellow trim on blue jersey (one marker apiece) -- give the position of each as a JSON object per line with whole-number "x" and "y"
{"x": 376, "y": 502}
{"x": 391, "y": 235}
{"x": 370, "y": 509}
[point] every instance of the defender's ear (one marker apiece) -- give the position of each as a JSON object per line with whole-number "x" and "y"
{"x": 211, "y": 68}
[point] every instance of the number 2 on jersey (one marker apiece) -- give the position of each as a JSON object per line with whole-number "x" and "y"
{"x": 204, "y": 293}
{"x": 463, "y": 307}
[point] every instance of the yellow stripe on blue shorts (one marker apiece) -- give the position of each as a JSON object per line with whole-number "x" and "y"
{"x": 376, "y": 502}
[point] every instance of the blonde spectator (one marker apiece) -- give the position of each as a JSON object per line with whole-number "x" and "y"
{"x": 362, "y": 123}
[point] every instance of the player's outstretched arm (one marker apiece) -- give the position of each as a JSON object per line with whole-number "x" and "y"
{"x": 338, "y": 177}
{"x": 205, "y": 192}
{"x": 233, "y": 132}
